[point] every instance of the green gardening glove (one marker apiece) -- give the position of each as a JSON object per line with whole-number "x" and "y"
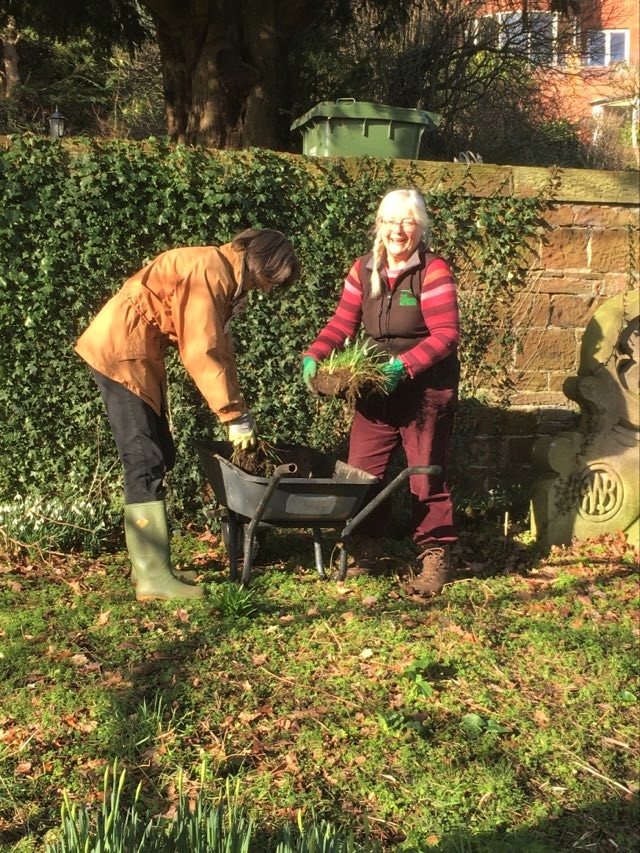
{"x": 394, "y": 371}
{"x": 309, "y": 370}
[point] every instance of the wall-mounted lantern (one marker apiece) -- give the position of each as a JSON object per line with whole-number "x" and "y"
{"x": 57, "y": 124}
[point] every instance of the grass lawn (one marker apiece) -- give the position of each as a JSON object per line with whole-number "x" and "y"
{"x": 501, "y": 716}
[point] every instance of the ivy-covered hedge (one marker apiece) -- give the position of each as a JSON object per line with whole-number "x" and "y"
{"x": 77, "y": 219}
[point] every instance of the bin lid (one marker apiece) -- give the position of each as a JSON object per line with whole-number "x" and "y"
{"x": 350, "y": 108}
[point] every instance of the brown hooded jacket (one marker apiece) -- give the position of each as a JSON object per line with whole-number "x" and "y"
{"x": 185, "y": 297}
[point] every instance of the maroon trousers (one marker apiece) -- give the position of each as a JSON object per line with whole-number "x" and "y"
{"x": 421, "y": 418}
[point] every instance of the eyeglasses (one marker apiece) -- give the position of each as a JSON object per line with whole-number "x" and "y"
{"x": 406, "y": 224}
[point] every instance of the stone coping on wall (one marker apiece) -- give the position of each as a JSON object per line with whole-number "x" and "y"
{"x": 584, "y": 186}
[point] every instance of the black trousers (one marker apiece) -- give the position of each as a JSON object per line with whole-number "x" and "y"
{"x": 143, "y": 440}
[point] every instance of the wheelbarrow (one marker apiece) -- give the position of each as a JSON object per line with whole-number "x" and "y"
{"x": 330, "y": 496}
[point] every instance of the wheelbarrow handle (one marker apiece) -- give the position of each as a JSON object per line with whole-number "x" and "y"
{"x": 386, "y": 491}
{"x": 278, "y": 473}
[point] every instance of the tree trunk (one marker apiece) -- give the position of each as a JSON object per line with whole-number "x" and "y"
{"x": 10, "y": 38}
{"x": 225, "y": 69}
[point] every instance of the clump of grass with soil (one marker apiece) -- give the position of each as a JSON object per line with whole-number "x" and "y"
{"x": 352, "y": 372}
{"x": 300, "y": 460}
{"x": 260, "y": 461}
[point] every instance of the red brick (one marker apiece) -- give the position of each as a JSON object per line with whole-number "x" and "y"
{"x": 520, "y": 422}
{"x": 560, "y": 215}
{"x": 601, "y": 216}
{"x": 566, "y": 249}
{"x": 531, "y": 310}
{"x": 481, "y": 420}
{"x": 610, "y": 250}
{"x": 614, "y": 283}
{"x": 531, "y": 380}
{"x": 567, "y": 312}
{"x": 583, "y": 284}
{"x": 557, "y": 380}
{"x": 553, "y": 349}
{"x": 554, "y": 420}
{"x": 541, "y": 398}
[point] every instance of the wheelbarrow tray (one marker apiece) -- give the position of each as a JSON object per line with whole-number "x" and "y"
{"x": 323, "y": 501}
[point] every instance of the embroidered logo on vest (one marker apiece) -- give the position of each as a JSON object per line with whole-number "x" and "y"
{"x": 407, "y": 298}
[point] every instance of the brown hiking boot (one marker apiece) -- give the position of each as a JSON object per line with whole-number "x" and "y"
{"x": 435, "y": 572}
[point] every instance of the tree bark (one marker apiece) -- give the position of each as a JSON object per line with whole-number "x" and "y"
{"x": 225, "y": 69}
{"x": 10, "y": 38}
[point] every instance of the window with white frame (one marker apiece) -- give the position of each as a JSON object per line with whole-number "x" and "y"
{"x": 541, "y": 37}
{"x": 604, "y": 47}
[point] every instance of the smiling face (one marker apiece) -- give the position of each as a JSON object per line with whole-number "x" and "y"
{"x": 400, "y": 232}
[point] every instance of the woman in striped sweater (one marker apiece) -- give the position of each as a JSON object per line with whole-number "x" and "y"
{"x": 404, "y": 297}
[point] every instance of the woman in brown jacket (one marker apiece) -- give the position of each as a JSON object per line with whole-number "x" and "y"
{"x": 185, "y": 297}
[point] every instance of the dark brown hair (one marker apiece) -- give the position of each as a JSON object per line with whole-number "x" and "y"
{"x": 268, "y": 253}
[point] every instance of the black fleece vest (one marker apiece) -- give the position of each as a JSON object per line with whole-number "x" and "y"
{"x": 393, "y": 321}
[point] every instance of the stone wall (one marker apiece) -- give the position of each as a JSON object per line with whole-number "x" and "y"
{"x": 589, "y": 251}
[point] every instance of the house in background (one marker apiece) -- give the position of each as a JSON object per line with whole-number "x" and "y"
{"x": 586, "y": 54}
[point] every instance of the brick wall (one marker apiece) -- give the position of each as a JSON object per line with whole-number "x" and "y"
{"x": 589, "y": 251}
{"x": 586, "y": 255}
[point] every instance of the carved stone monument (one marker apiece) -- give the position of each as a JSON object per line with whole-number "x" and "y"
{"x": 591, "y": 479}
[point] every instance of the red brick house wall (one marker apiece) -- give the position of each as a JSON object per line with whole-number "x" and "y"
{"x": 575, "y": 88}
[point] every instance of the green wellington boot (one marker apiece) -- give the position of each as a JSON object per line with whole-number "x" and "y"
{"x": 147, "y": 535}
{"x": 183, "y": 575}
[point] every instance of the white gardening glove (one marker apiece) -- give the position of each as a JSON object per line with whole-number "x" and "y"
{"x": 242, "y": 432}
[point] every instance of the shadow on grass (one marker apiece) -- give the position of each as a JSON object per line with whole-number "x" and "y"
{"x": 610, "y": 826}
{"x": 153, "y": 687}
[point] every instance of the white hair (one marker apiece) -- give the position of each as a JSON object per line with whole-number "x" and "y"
{"x": 398, "y": 204}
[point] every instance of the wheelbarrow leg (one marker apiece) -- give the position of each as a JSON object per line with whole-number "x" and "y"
{"x": 345, "y": 550}
{"x": 317, "y": 551}
{"x": 249, "y": 550}
{"x": 234, "y": 531}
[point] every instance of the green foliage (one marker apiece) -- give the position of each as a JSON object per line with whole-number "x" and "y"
{"x": 219, "y": 828}
{"x": 357, "y": 357}
{"x": 124, "y": 25}
{"x": 133, "y": 105}
{"x": 79, "y": 218}
{"x": 41, "y": 525}
{"x": 233, "y": 601}
{"x": 352, "y": 371}
{"x": 319, "y": 837}
{"x": 474, "y": 725}
{"x": 420, "y": 687}
{"x": 195, "y": 828}
{"x": 116, "y": 94}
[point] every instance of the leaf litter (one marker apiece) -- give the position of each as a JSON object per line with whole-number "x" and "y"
{"x": 294, "y": 702}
